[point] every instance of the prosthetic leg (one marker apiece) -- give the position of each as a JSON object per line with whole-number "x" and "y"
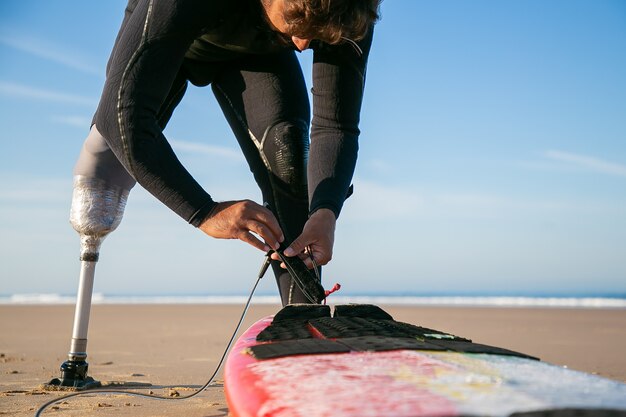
{"x": 101, "y": 187}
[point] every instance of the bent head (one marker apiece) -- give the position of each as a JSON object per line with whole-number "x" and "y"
{"x": 330, "y": 21}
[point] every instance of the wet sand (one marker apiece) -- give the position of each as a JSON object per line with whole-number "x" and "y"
{"x": 176, "y": 347}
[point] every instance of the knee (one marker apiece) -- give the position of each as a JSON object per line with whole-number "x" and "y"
{"x": 286, "y": 149}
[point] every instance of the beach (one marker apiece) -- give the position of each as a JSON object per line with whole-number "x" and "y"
{"x": 175, "y": 348}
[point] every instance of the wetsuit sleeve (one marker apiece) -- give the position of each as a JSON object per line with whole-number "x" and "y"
{"x": 338, "y": 83}
{"x": 146, "y": 58}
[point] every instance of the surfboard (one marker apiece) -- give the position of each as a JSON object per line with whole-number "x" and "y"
{"x": 305, "y": 362}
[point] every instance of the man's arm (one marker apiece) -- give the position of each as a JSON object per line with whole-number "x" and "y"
{"x": 338, "y": 84}
{"x": 146, "y": 59}
{"x": 147, "y": 56}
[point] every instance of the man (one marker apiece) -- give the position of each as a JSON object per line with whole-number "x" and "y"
{"x": 245, "y": 50}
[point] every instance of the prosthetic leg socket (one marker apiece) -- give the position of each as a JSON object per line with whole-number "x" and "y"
{"x": 97, "y": 210}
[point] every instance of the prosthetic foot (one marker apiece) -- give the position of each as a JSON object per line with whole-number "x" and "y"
{"x": 97, "y": 210}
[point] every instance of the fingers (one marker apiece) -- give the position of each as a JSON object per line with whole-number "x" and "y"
{"x": 307, "y": 247}
{"x": 297, "y": 246}
{"x": 264, "y": 224}
{"x": 256, "y": 225}
{"x": 258, "y": 219}
{"x": 244, "y": 220}
{"x": 305, "y": 258}
{"x": 319, "y": 254}
{"x": 254, "y": 241}
{"x": 318, "y": 236}
{"x": 265, "y": 232}
{"x": 312, "y": 259}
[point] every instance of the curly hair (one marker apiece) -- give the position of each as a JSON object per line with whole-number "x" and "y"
{"x": 331, "y": 21}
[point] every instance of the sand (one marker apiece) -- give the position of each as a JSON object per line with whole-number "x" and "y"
{"x": 176, "y": 347}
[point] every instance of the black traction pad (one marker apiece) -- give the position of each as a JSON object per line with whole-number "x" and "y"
{"x": 297, "y": 347}
{"x": 369, "y": 311}
{"x": 471, "y": 347}
{"x": 339, "y": 327}
{"x": 381, "y": 343}
{"x": 309, "y": 329}
{"x": 291, "y": 323}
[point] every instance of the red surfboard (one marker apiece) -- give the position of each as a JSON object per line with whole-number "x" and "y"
{"x": 262, "y": 380}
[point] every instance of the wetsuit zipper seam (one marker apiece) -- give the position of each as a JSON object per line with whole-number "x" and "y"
{"x": 121, "y": 91}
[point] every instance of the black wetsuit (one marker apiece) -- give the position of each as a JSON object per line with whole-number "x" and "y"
{"x": 164, "y": 44}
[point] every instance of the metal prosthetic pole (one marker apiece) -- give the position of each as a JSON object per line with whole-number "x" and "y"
{"x": 97, "y": 210}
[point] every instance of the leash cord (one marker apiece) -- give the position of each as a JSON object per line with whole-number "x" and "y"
{"x": 158, "y": 397}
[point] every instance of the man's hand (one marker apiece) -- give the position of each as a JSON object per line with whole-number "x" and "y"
{"x": 239, "y": 220}
{"x": 318, "y": 235}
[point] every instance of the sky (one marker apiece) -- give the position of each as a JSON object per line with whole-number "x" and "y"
{"x": 492, "y": 157}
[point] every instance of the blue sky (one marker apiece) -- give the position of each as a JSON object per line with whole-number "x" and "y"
{"x": 493, "y": 156}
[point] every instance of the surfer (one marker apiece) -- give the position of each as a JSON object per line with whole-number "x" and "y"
{"x": 245, "y": 50}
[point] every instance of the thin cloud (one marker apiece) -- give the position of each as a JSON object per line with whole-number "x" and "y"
{"x": 379, "y": 166}
{"x": 24, "y": 91}
{"x": 51, "y": 52}
{"x": 34, "y": 190}
{"x": 74, "y": 121}
{"x": 374, "y": 201}
{"x": 195, "y": 147}
{"x": 588, "y": 162}
{"x": 485, "y": 205}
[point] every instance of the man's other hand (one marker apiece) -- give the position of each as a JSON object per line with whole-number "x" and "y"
{"x": 318, "y": 235}
{"x": 244, "y": 220}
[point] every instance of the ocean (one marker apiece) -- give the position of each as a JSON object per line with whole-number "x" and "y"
{"x": 548, "y": 301}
